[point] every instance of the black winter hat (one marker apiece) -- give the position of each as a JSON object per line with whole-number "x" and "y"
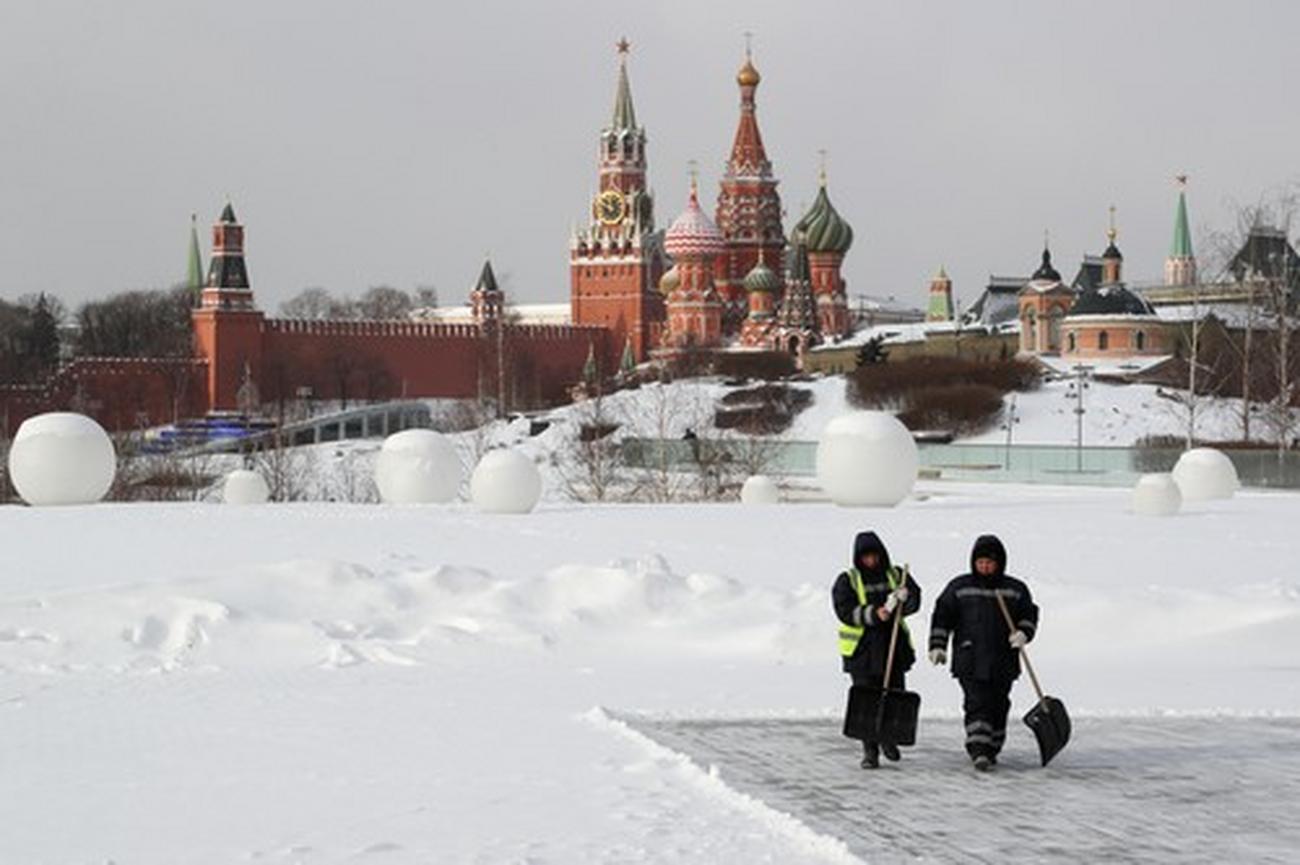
{"x": 869, "y": 542}
{"x": 988, "y": 546}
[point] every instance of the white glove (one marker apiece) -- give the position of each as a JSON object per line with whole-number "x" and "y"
{"x": 891, "y": 602}
{"x": 1017, "y": 639}
{"x": 938, "y": 656}
{"x": 901, "y": 593}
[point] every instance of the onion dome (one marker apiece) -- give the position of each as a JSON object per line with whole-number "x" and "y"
{"x": 763, "y": 278}
{"x": 692, "y": 234}
{"x": 1045, "y": 272}
{"x": 669, "y": 282}
{"x": 824, "y": 230}
{"x": 748, "y": 76}
{"x": 1113, "y": 299}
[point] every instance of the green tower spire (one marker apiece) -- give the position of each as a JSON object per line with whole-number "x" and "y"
{"x": 194, "y": 267}
{"x": 589, "y": 369}
{"x": 624, "y": 116}
{"x": 1182, "y": 245}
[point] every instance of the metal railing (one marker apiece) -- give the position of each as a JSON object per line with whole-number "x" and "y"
{"x": 1034, "y": 464}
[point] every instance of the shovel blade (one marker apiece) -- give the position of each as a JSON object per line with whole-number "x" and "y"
{"x": 1051, "y": 726}
{"x": 874, "y": 715}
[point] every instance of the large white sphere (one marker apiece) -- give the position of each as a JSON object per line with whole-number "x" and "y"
{"x": 417, "y": 466}
{"x": 866, "y": 458}
{"x": 1205, "y": 473}
{"x": 1156, "y": 495}
{"x": 62, "y": 458}
{"x": 760, "y": 490}
{"x": 245, "y": 487}
{"x": 505, "y": 482}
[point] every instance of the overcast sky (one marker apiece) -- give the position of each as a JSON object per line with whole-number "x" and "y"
{"x": 397, "y": 143}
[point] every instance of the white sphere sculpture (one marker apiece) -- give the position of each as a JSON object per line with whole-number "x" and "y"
{"x": 1156, "y": 495}
{"x": 760, "y": 490}
{"x": 417, "y": 466}
{"x": 505, "y": 482}
{"x": 1205, "y": 473}
{"x": 62, "y": 458}
{"x": 245, "y": 487}
{"x": 866, "y": 458}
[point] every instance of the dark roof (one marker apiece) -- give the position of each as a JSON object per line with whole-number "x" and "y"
{"x": 1045, "y": 270}
{"x": 1112, "y": 299}
{"x": 228, "y": 214}
{"x": 1089, "y": 275}
{"x": 487, "y": 280}
{"x": 1268, "y": 254}
{"x": 1112, "y": 251}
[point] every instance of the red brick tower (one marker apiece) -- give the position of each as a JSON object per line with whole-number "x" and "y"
{"x": 749, "y": 208}
{"x": 616, "y": 261}
{"x": 227, "y": 326}
{"x": 694, "y": 307}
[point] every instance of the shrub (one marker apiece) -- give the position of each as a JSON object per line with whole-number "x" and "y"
{"x": 764, "y": 410}
{"x": 962, "y": 408}
{"x": 763, "y": 365}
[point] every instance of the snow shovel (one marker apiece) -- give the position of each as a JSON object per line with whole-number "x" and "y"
{"x": 884, "y": 714}
{"x": 1048, "y": 718}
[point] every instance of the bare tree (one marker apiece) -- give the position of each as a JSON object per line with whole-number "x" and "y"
{"x": 288, "y": 471}
{"x": 590, "y": 466}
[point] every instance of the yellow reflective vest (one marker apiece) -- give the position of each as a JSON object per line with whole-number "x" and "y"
{"x": 850, "y": 635}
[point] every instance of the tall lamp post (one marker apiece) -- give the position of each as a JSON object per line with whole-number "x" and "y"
{"x": 1076, "y": 390}
{"x": 1008, "y": 423}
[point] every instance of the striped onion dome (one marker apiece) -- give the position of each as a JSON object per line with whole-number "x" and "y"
{"x": 692, "y": 234}
{"x": 825, "y": 229}
{"x": 763, "y": 278}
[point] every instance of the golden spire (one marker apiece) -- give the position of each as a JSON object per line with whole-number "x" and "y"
{"x": 748, "y": 76}
{"x": 821, "y": 170}
{"x": 1112, "y": 233}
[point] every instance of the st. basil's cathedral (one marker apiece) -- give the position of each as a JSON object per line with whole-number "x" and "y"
{"x": 734, "y": 282}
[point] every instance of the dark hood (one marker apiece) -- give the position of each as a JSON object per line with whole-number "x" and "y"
{"x": 989, "y": 546}
{"x": 867, "y": 542}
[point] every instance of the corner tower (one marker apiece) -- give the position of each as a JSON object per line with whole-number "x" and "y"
{"x": 749, "y": 208}
{"x": 227, "y": 325}
{"x": 615, "y": 261}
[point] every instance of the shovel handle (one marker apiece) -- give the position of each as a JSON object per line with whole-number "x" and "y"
{"x": 1024, "y": 656}
{"x": 893, "y": 636}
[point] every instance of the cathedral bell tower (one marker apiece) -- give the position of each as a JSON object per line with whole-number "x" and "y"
{"x": 615, "y": 261}
{"x": 749, "y": 208}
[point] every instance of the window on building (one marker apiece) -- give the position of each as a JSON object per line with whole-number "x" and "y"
{"x": 1103, "y": 341}
{"x": 1069, "y": 342}
{"x": 1140, "y": 340}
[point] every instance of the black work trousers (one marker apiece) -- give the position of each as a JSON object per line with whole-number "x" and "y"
{"x": 986, "y": 705}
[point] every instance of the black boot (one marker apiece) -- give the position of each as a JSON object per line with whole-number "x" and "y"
{"x": 890, "y": 751}
{"x": 870, "y": 755}
{"x": 983, "y": 763}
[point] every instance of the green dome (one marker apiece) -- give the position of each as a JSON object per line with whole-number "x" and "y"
{"x": 763, "y": 278}
{"x": 825, "y": 229}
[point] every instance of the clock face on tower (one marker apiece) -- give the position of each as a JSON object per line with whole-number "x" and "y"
{"x": 611, "y": 207}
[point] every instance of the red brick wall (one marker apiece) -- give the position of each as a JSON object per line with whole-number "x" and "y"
{"x": 122, "y": 394}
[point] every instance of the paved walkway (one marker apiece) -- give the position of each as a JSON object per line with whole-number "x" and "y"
{"x": 1125, "y": 790}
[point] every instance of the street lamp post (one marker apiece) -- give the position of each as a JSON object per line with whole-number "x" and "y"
{"x": 1008, "y": 424}
{"x": 1077, "y": 387}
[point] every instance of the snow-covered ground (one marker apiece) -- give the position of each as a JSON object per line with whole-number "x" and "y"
{"x": 336, "y": 683}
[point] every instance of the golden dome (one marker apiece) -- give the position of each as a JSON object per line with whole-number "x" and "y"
{"x": 748, "y": 76}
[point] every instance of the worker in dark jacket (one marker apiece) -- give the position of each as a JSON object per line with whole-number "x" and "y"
{"x": 866, "y": 597}
{"x": 986, "y": 652}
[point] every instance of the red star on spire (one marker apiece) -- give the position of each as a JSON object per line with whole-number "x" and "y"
{"x": 623, "y": 45}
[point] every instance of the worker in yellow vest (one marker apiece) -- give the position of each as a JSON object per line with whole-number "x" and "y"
{"x": 866, "y": 598}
